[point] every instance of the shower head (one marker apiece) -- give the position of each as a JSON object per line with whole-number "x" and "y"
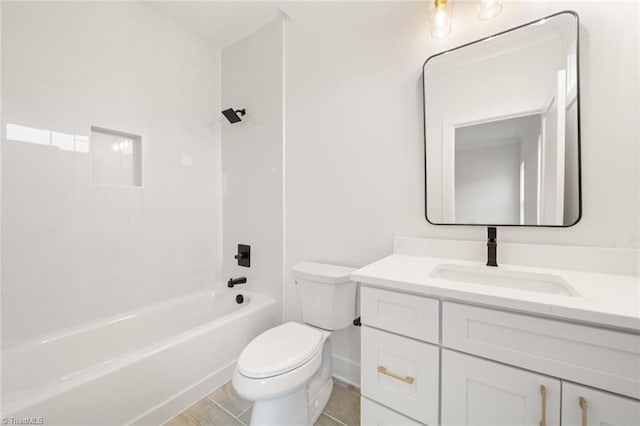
{"x": 234, "y": 115}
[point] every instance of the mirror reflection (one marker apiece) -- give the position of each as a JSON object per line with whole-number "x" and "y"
{"x": 501, "y": 128}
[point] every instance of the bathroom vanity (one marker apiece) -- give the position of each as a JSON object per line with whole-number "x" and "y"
{"x": 455, "y": 342}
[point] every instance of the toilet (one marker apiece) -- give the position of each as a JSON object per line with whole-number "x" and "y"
{"x": 286, "y": 370}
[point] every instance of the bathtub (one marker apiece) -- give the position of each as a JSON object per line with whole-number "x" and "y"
{"x": 139, "y": 367}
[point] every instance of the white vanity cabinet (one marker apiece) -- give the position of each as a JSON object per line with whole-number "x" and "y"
{"x": 429, "y": 361}
{"x": 602, "y": 358}
{"x": 480, "y": 392}
{"x": 400, "y": 370}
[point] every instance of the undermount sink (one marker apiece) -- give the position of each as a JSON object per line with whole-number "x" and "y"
{"x": 495, "y": 277}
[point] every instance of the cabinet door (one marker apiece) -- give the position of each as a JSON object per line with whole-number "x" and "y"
{"x": 584, "y": 406}
{"x": 476, "y": 392}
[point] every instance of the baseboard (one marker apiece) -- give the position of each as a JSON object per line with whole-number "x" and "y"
{"x": 345, "y": 370}
{"x": 180, "y": 402}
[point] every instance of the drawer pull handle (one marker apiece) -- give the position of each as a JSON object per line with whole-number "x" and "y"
{"x": 406, "y": 379}
{"x": 543, "y": 393}
{"x": 583, "y": 406}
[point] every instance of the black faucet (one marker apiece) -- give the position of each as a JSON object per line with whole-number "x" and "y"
{"x": 235, "y": 281}
{"x": 492, "y": 246}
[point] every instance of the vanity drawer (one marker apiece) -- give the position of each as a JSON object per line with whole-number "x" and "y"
{"x": 605, "y": 359}
{"x": 413, "y": 316}
{"x": 401, "y": 373}
{"x": 373, "y": 414}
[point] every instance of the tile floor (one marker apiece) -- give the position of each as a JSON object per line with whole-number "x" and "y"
{"x": 224, "y": 407}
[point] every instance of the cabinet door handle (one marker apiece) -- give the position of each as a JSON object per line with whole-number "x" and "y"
{"x": 583, "y": 406}
{"x": 543, "y": 393}
{"x": 406, "y": 379}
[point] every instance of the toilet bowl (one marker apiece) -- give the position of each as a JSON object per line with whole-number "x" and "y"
{"x": 286, "y": 370}
{"x": 290, "y": 383}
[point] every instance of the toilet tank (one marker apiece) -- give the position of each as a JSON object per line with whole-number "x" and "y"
{"x": 327, "y": 294}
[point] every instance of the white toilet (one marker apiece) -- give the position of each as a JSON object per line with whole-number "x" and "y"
{"x": 287, "y": 370}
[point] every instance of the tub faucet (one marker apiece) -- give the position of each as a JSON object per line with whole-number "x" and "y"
{"x": 235, "y": 281}
{"x": 492, "y": 246}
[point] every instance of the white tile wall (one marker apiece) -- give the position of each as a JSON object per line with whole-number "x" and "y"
{"x": 252, "y": 164}
{"x": 73, "y": 251}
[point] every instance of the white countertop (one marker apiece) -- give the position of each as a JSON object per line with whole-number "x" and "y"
{"x": 605, "y": 299}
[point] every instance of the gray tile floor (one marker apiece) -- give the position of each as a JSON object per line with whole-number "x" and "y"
{"x": 224, "y": 407}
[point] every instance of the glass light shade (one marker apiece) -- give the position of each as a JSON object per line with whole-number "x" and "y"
{"x": 488, "y": 9}
{"x": 441, "y": 18}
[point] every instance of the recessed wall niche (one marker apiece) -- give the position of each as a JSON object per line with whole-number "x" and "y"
{"x": 116, "y": 158}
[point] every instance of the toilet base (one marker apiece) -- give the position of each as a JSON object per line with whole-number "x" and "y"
{"x": 318, "y": 403}
{"x": 321, "y": 384}
{"x": 290, "y": 409}
{"x": 302, "y": 407}
{"x": 295, "y": 409}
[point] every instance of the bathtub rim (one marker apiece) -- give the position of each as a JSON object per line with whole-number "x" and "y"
{"x": 54, "y": 335}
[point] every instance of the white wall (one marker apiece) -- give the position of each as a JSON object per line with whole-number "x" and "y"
{"x": 252, "y": 158}
{"x": 354, "y": 142}
{"x": 74, "y": 251}
{"x": 488, "y": 183}
{"x": 530, "y": 136}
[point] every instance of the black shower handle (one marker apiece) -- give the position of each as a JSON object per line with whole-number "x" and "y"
{"x": 243, "y": 255}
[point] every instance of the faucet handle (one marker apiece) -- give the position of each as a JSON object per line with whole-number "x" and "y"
{"x": 244, "y": 255}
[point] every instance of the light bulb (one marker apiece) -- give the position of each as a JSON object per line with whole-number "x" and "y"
{"x": 441, "y": 18}
{"x": 488, "y": 9}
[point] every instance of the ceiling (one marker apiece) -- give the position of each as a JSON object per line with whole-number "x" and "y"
{"x": 220, "y": 23}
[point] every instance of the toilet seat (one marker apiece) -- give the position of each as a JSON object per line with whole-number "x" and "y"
{"x": 276, "y": 386}
{"x": 280, "y": 350}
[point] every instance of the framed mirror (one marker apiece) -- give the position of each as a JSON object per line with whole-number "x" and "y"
{"x": 502, "y": 128}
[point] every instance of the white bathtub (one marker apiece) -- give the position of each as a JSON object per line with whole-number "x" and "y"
{"x": 139, "y": 367}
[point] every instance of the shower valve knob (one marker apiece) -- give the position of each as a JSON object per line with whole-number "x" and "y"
{"x": 244, "y": 255}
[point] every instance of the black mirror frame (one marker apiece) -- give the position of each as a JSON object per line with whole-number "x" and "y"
{"x": 579, "y": 147}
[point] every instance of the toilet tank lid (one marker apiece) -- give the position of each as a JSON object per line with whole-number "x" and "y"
{"x": 322, "y": 272}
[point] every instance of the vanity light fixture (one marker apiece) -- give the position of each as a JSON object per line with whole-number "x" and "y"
{"x": 489, "y": 9}
{"x": 441, "y": 18}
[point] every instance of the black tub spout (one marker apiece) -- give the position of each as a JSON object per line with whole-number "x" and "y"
{"x": 235, "y": 281}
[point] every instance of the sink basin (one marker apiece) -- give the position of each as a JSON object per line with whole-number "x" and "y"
{"x": 495, "y": 277}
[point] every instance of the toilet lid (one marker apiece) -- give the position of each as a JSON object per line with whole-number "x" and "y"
{"x": 279, "y": 350}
